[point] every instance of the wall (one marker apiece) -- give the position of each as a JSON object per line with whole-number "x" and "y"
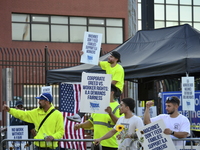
{"x": 89, "y": 8}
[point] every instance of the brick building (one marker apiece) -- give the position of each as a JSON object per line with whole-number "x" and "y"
{"x": 40, "y": 35}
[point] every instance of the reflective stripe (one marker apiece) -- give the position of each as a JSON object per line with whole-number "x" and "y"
{"x": 91, "y": 119}
{"x": 114, "y": 111}
{"x": 104, "y": 124}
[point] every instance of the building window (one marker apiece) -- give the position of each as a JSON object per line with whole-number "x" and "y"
{"x": 174, "y": 12}
{"x": 29, "y": 27}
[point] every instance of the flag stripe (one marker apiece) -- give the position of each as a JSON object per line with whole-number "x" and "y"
{"x": 69, "y": 105}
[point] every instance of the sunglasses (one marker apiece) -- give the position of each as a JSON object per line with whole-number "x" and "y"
{"x": 20, "y": 106}
{"x": 172, "y": 100}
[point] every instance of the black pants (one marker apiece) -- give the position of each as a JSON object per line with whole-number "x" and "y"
{"x": 107, "y": 148}
{"x": 97, "y": 147}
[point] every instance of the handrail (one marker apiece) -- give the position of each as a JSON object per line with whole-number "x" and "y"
{"x": 91, "y": 140}
{"x": 63, "y": 140}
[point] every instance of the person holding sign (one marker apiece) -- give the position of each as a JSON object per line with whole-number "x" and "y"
{"x": 14, "y": 121}
{"x": 177, "y": 125}
{"x": 103, "y": 123}
{"x": 17, "y": 122}
{"x": 126, "y": 125}
{"x": 48, "y": 121}
{"x": 111, "y": 67}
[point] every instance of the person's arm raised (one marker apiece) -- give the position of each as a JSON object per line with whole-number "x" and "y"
{"x": 146, "y": 112}
{"x": 112, "y": 116}
{"x": 6, "y": 108}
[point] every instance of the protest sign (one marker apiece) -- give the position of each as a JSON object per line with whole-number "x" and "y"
{"x": 19, "y": 133}
{"x": 95, "y": 92}
{"x": 46, "y": 89}
{"x": 152, "y": 137}
{"x": 188, "y": 93}
{"x": 91, "y": 48}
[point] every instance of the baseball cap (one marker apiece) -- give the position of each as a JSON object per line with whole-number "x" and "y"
{"x": 45, "y": 96}
{"x": 19, "y": 103}
{"x": 116, "y": 55}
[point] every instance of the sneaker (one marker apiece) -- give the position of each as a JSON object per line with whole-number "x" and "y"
{"x": 75, "y": 118}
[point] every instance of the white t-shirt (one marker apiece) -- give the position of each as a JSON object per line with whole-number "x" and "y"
{"x": 178, "y": 124}
{"x": 130, "y": 124}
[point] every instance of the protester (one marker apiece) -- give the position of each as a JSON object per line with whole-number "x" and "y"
{"x": 16, "y": 122}
{"x": 111, "y": 67}
{"x": 177, "y": 125}
{"x": 127, "y": 126}
{"x": 103, "y": 123}
{"x": 52, "y": 128}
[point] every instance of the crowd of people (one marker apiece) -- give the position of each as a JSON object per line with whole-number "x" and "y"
{"x": 115, "y": 130}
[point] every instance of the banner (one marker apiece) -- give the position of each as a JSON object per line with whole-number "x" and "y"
{"x": 91, "y": 48}
{"x": 19, "y": 133}
{"x": 195, "y": 115}
{"x": 95, "y": 92}
{"x": 152, "y": 137}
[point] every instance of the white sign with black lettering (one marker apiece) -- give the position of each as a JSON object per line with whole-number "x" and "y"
{"x": 46, "y": 89}
{"x": 95, "y": 92}
{"x": 19, "y": 133}
{"x": 188, "y": 97}
{"x": 152, "y": 137}
{"x": 91, "y": 48}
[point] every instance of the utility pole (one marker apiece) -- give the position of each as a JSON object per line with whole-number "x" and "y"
{"x": 147, "y": 14}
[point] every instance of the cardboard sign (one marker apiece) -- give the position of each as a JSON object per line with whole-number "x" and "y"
{"x": 91, "y": 48}
{"x": 152, "y": 137}
{"x": 95, "y": 92}
{"x": 46, "y": 89}
{"x": 188, "y": 93}
{"x": 17, "y": 132}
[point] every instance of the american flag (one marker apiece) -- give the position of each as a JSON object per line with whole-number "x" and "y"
{"x": 69, "y": 105}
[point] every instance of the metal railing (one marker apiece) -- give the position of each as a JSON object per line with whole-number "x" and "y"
{"x": 190, "y": 144}
{"x": 195, "y": 143}
{"x": 21, "y": 146}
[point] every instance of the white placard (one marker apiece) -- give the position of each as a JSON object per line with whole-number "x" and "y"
{"x": 91, "y": 48}
{"x": 95, "y": 92}
{"x": 152, "y": 111}
{"x": 46, "y": 89}
{"x": 17, "y": 132}
{"x": 152, "y": 137}
{"x": 188, "y": 97}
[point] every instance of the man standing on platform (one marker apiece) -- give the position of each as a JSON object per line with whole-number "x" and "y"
{"x": 111, "y": 67}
